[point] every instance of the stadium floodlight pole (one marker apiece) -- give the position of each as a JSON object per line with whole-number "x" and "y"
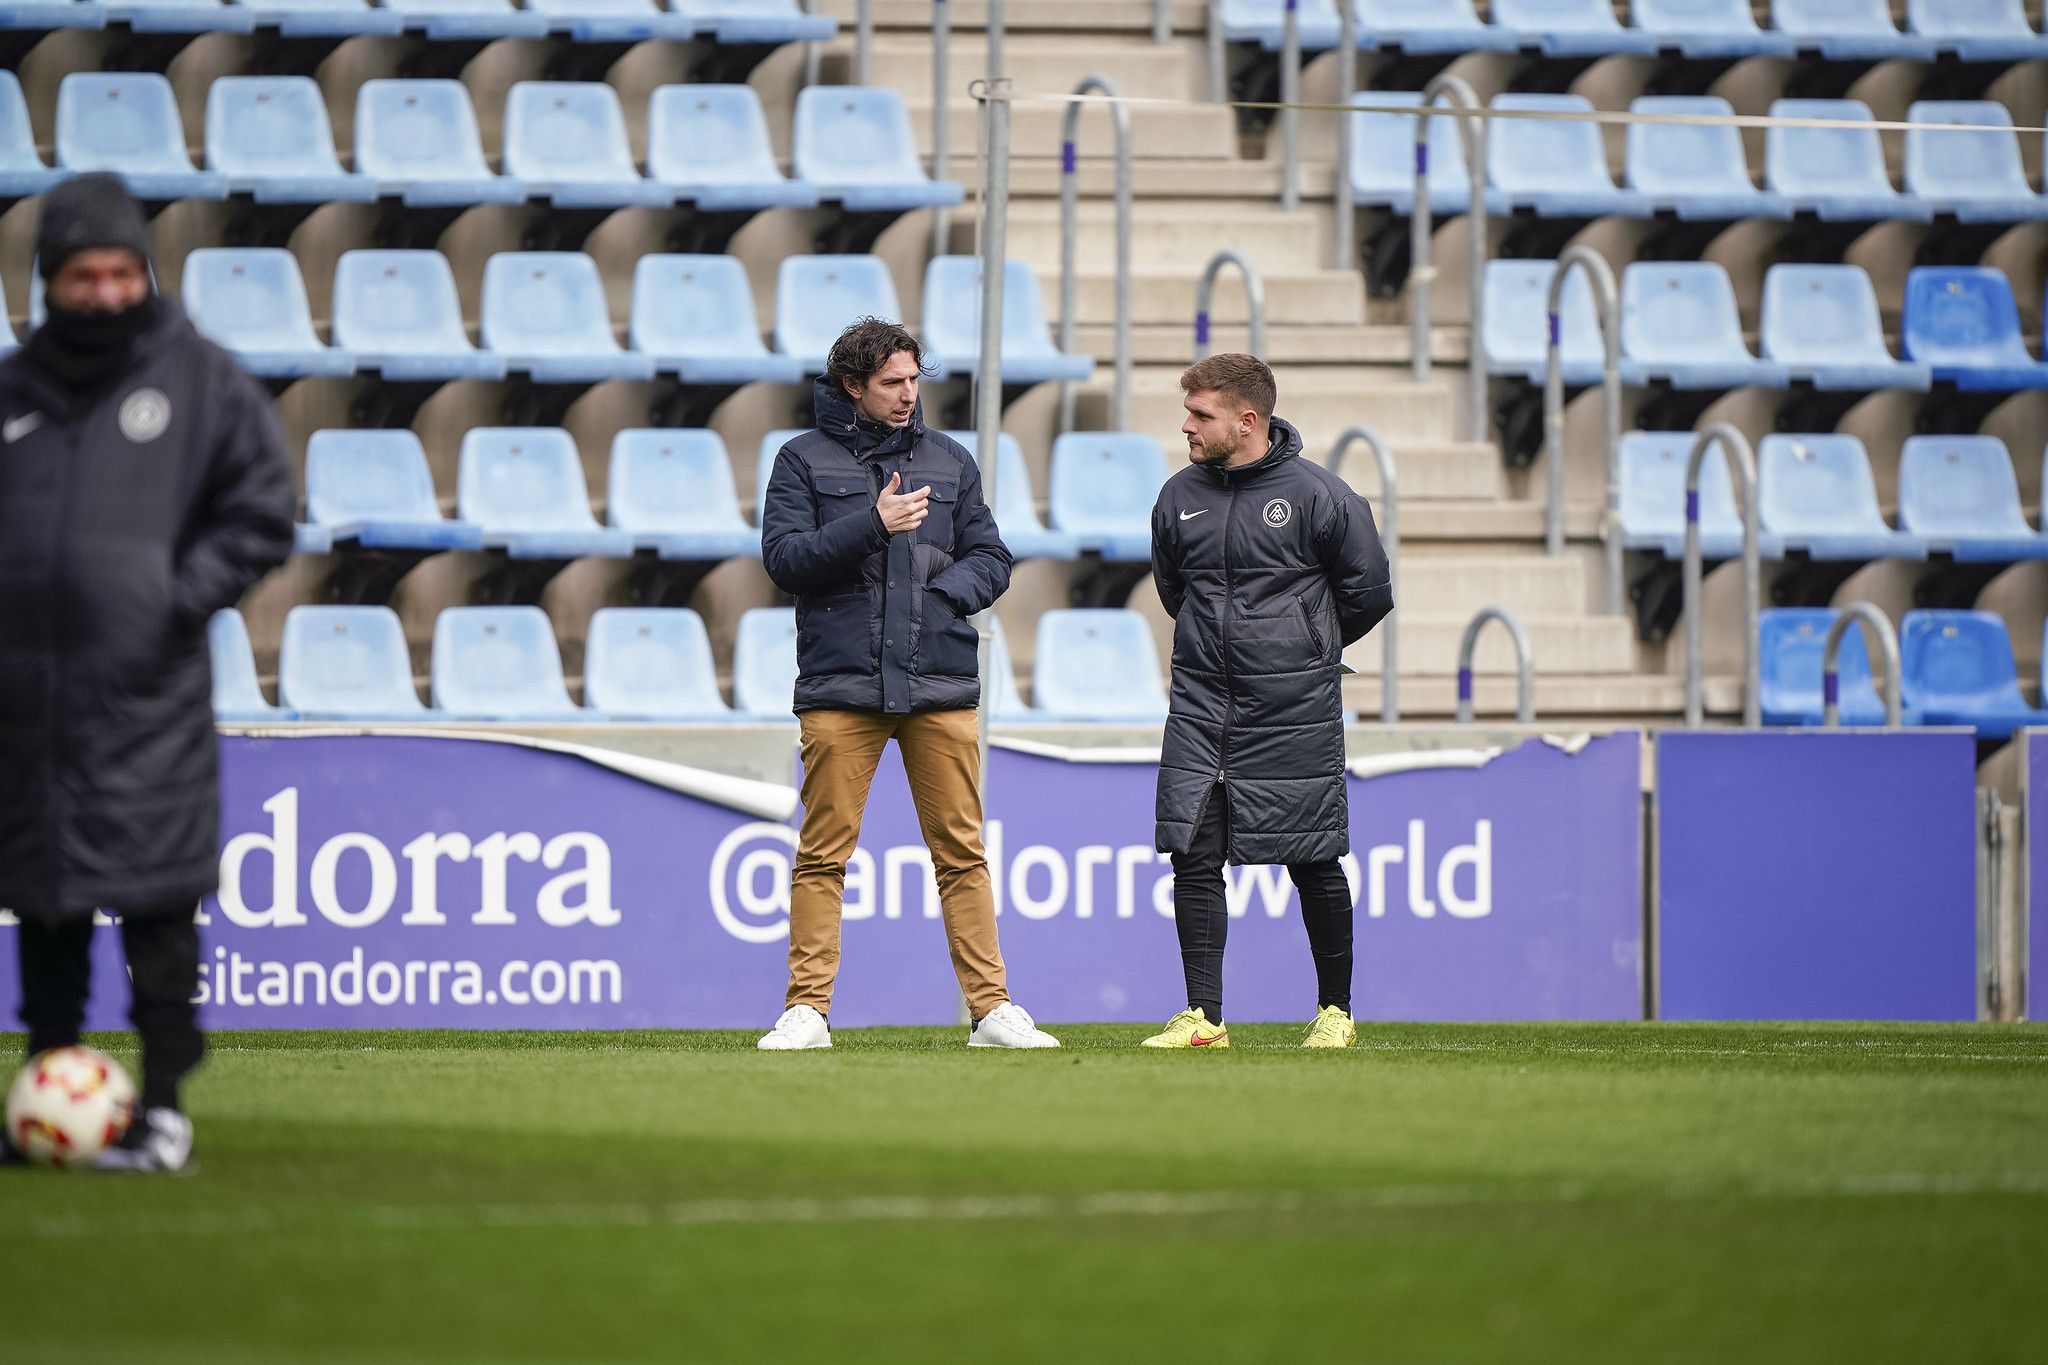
{"x": 1875, "y": 623}
{"x": 1458, "y": 93}
{"x": 1290, "y": 117}
{"x": 988, "y": 380}
{"x": 1340, "y": 177}
{"x": 1070, "y": 230}
{"x": 1525, "y": 664}
{"x": 1735, "y": 446}
{"x": 1607, "y": 310}
{"x": 1390, "y": 538}
{"x": 1219, "y": 66}
{"x": 1255, "y": 302}
{"x": 942, "y": 43}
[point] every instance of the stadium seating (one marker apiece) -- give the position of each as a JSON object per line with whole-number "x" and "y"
{"x": 816, "y": 297}
{"x": 768, "y": 22}
{"x": 1517, "y": 323}
{"x": 1791, "y": 650}
{"x": 180, "y": 16}
{"x": 651, "y": 663}
{"x": 672, "y": 490}
{"x": 1707, "y": 29}
{"x": 1097, "y": 664}
{"x": 1817, "y": 494}
{"x": 524, "y": 486}
{"x": 614, "y": 21}
{"x": 1679, "y": 325}
{"x": 22, "y": 172}
{"x": 1836, "y": 174}
{"x": 418, "y": 140}
{"x": 952, "y": 323}
{"x": 566, "y": 140}
{"x": 347, "y": 663}
{"x": 1263, "y": 22}
{"x": 1571, "y": 28}
{"x": 332, "y": 19}
{"x": 709, "y": 143}
{"x": 1653, "y": 499}
{"x": 1103, "y": 487}
{"x": 469, "y": 20}
{"x": 1976, "y": 176}
{"x": 500, "y": 663}
{"x": 1425, "y": 27}
{"x": 373, "y": 489}
{"x": 694, "y": 316}
{"x": 270, "y": 136}
{"x": 1554, "y": 167}
{"x": 544, "y": 312}
{"x": 764, "y": 664}
{"x": 1822, "y": 323}
{"x": 397, "y": 312}
{"x": 855, "y": 144}
{"x": 1848, "y": 30}
{"x": 128, "y": 123}
{"x": 1960, "y": 493}
{"x": 1698, "y": 171}
{"x": 40, "y": 15}
{"x": 1976, "y": 30}
{"x": 1016, "y": 504}
{"x": 771, "y": 446}
{"x": 1964, "y": 322}
{"x": 252, "y": 300}
{"x": 1382, "y": 169}
{"x": 1959, "y": 670}
{"x": 237, "y": 695}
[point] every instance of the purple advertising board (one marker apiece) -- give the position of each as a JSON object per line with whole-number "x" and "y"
{"x": 1816, "y": 875}
{"x": 442, "y": 881}
{"x": 2035, "y": 929}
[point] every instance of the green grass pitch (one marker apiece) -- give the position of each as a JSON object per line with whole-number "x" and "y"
{"x": 1793, "y": 1193}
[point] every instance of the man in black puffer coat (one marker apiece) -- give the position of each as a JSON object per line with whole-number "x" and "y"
{"x": 143, "y": 487}
{"x": 1270, "y": 566}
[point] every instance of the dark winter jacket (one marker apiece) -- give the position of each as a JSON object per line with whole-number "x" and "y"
{"x": 881, "y": 619}
{"x": 1268, "y": 570}
{"x": 125, "y": 523}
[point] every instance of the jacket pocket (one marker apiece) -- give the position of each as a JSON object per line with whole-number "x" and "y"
{"x": 833, "y": 634}
{"x": 842, "y": 495}
{"x": 948, "y": 645}
{"x": 938, "y": 529}
{"x": 1308, "y": 618}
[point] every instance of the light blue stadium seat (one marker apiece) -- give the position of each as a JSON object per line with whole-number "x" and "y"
{"x": 1817, "y": 494}
{"x": 1097, "y": 664}
{"x": 252, "y": 301}
{"x": 1556, "y": 167}
{"x": 1103, "y": 486}
{"x": 952, "y": 323}
{"x": 398, "y": 313}
{"x": 418, "y": 140}
{"x": 1976, "y": 176}
{"x": 373, "y": 488}
{"x": 567, "y": 141}
{"x": 38, "y": 15}
{"x": 1006, "y": 703}
{"x": 764, "y": 664}
{"x": 1017, "y": 504}
{"x": 326, "y": 18}
{"x": 1517, "y": 326}
{"x": 673, "y": 491}
{"x": 1976, "y": 30}
{"x": 1836, "y": 174}
{"x": 237, "y": 695}
{"x": 1428, "y": 27}
{"x": 1653, "y": 499}
{"x": 1679, "y": 325}
{"x": 1959, "y": 670}
{"x": 347, "y": 663}
{"x": 524, "y": 486}
{"x": 1791, "y": 649}
{"x": 22, "y": 172}
{"x": 1961, "y": 494}
{"x": 1571, "y": 28}
{"x": 270, "y": 136}
{"x": 470, "y": 20}
{"x": 756, "y": 21}
{"x": 855, "y": 144}
{"x": 817, "y": 297}
{"x": 1707, "y": 29}
{"x": 1822, "y": 322}
{"x": 8, "y": 343}
{"x": 764, "y": 463}
{"x": 128, "y": 123}
{"x": 180, "y": 16}
{"x": 500, "y": 663}
{"x": 1963, "y": 321}
{"x": 1848, "y": 30}
{"x": 614, "y": 21}
{"x": 544, "y": 311}
{"x": 709, "y": 143}
{"x": 1264, "y": 22}
{"x": 1697, "y": 171}
{"x": 1382, "y": 173}
{"x": 651, "y": 663}
{"x": 694, "y": 315}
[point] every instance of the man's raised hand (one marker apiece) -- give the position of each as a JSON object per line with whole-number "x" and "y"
{"x": 902, "y": 512}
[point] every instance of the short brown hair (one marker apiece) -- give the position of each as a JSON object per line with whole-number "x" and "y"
{"x": 1242, "y": 379}
{"x": 864, "y": 348}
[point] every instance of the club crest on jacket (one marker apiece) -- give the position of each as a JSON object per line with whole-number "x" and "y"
{"x": 1279, "y": 512}
{"x": 145, "y": 415}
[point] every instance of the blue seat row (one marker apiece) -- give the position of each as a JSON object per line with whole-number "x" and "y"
{"x": 603, "y": 21}
{"x": 1956, "y": 667}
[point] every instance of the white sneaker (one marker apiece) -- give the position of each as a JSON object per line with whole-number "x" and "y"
{"x": 799, "y": 1027}
{"x": 165, "y": 1146}
{"x": 1007, "y": 1025}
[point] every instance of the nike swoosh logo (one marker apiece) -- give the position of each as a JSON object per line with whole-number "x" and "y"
{"x": 1185, "y": 516}
{"x": 1196, "y": 1040}
{"x": 18, "y": 427}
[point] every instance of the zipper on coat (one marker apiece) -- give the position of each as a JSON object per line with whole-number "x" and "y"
{"x": 1229, "y": 682}
{"x": 1309, "y": 619}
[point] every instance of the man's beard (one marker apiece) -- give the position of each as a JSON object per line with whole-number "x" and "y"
{"x": 1207, "y": 453}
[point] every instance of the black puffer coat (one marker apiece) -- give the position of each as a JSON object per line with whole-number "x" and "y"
{"x": 881, "y": 620}
{"x": 1268, "y": 570}
{"x": 124, "y": 525}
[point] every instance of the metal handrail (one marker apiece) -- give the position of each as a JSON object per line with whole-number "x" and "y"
{"x": 1743, "y": 461}
{"x": 1070, "y": 203}
{"x": 1162, "y": 21}
{"x": 942, "y": 46}
{"x": 864, "y": 40}
{"x": 1340, "y": 181}
{"x": 1255, "y": 300}
{"x": 1607, "y": 307}
{"x": 1875, "y": 623}
{"x": 1290, "y": 116}
{"x": 1219, "y": 65}
{"x": 1390, "y": 538}
{"x": 1525, "y": 664}
{"x": 1459, "y": 94}
{"x": 993, "y": 25}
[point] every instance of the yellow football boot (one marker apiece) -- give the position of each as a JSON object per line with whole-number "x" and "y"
{"x": 1332, "y": 1027}
{"x": 1190, "y": 1028}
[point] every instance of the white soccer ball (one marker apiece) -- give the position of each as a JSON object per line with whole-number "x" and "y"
{"x": 68, "y": 1105}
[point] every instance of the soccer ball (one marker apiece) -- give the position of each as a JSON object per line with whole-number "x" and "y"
{"x": 68, "y": 1105}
